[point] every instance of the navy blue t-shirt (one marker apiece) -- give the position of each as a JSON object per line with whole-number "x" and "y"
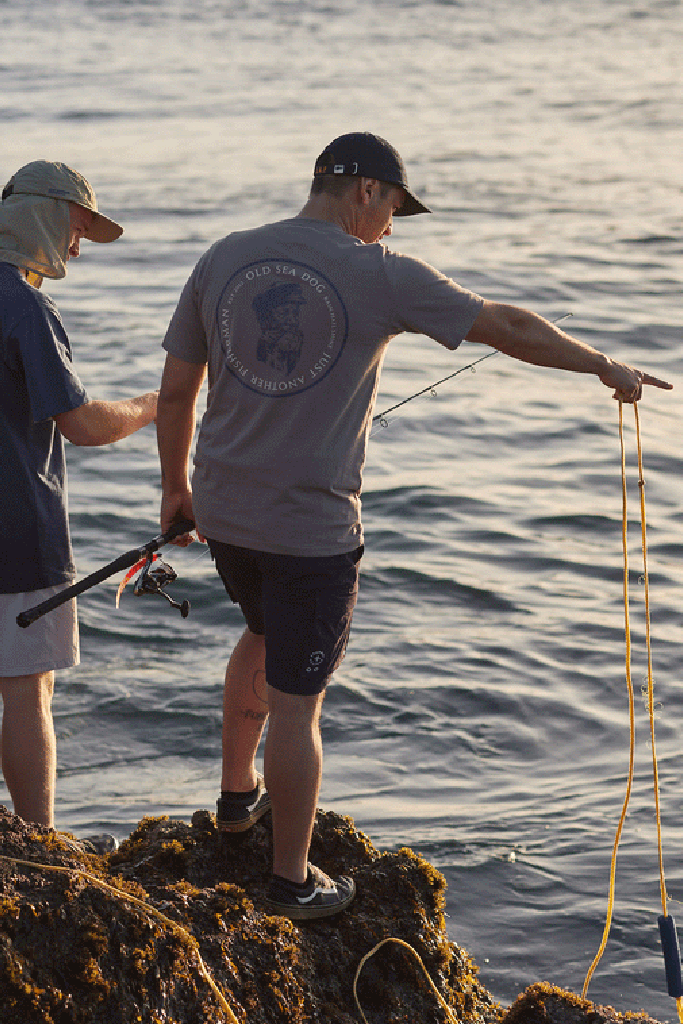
{"x": 37, "y": 382}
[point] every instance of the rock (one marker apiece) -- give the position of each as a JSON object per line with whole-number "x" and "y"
{"x": 546, "y": 1004}
{"x": 172, "y": 928}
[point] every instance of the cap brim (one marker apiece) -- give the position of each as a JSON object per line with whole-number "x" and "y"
{"x": 103, "y": 229}
{"x": 411, "y": 205}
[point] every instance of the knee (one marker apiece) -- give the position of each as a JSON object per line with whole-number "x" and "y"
{"x": 294, "y": 708}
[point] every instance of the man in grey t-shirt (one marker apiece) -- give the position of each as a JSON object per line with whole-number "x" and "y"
{"x": 292, "y": 320}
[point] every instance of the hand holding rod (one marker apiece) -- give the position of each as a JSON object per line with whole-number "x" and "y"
{"x": 124, "y": 561}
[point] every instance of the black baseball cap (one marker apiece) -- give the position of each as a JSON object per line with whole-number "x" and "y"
{"x": 364, "y": 155}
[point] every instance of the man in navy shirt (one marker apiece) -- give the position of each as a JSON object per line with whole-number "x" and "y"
{"x": 47, "y": 208}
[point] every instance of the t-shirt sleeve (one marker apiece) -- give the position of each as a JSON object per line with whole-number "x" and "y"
{"x": 52, "y": 383}
{"x": 430, "y": 303}
{"x": 186, "y": 337}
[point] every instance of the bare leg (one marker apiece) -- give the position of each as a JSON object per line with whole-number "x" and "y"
{"x": 245, "y": 710}
{"x": 293, "y": 770}
{"x": 29, "y": 752}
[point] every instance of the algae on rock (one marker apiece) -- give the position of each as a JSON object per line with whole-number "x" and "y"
{"x": 73, "y": 951}
{"x": 122, "y": 938}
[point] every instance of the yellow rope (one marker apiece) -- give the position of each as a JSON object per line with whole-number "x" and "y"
{"x": 650, "y": 681}
{"x": 629, "y": 684}
{"x": 173, "y": 925}
{"x": 650, "y": 690}
{"x": 405, "y": 945}
{"x": 651, "y": 686}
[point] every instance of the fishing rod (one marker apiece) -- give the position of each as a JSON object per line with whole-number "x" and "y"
{"x": 381, "y": 417}
{"x": 151, "y": 582}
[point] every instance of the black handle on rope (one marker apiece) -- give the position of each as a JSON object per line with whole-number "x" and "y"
{"x": 672, "y": 955}
{"x": 124, "y": 561}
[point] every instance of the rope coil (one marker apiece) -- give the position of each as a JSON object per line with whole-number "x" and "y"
{"x": 405, "y": 945}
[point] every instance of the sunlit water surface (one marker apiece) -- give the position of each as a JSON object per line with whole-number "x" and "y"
{"x": 481, "y": 713}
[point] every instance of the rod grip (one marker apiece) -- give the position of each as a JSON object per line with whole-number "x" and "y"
{"x": 182, "y": 526}
{"x": 672, "y": 955}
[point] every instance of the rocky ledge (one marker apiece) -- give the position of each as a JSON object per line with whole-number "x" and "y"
{"x": 171, "y": 928}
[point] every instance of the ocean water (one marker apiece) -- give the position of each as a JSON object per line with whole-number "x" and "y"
{"x": 481, "y": 713}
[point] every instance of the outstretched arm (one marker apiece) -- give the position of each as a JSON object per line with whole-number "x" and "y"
{"x": 526, "y": 336}
{"x": 97, "y": 423}
{"x": 176, "y": 417}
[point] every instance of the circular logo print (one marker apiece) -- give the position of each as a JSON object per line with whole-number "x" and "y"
{"x": 282, "y": 327}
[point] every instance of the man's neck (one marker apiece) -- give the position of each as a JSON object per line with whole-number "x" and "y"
{"x": 329, "y": 209}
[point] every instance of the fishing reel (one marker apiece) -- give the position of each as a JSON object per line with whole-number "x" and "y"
{"x": 154, "y": 577}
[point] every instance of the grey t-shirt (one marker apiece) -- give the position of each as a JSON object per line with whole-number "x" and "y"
{"x": 293, "y": 319}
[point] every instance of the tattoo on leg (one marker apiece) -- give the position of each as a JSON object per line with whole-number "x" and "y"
{"x": 256, "y": 716}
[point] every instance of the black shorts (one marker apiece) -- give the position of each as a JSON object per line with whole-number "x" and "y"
{"x": 303, "y": 607}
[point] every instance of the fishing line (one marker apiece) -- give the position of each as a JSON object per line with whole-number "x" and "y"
{"x": 381, "y": 417}
{"x": 202, "y": 554}
{"x": 667, "y": 926}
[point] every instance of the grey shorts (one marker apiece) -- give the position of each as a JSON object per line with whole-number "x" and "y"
{"x": 303, "y": 607}
{"x": 49, "y": 643}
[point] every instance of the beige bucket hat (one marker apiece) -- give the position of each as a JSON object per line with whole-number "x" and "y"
{"x": 57, "y": 181}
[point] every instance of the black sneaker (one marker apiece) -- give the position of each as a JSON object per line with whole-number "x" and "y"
{"x": 238, "y": 812}
{"x": 322, "y": 896}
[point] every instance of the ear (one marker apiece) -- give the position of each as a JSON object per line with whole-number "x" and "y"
{"x": 366, "y": 188}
